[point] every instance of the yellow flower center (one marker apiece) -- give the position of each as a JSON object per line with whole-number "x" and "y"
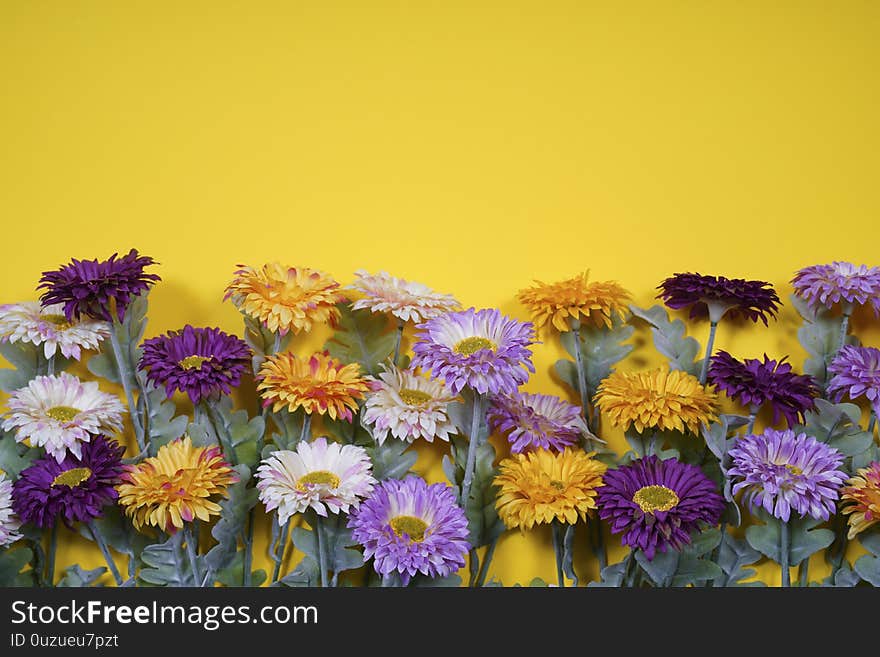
{"x": 655, "y": 498}
{"x": 58, "y": 320}
{"x": 193, "y": 362}
{"x": 317, "y": 477}
{"x": 72, "y": 478}
{"x": 558, "y": 485}
{"x": 793, "y": 469}
{"x": 470, "y": 346}
{"x": 412, "y": 397}
{"x": 62, "y": 413}
{"x": 413, "y": 527}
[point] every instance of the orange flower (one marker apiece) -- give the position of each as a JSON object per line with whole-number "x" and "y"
{"x": 861, "y": 499}
{"x": 598, "y": 303}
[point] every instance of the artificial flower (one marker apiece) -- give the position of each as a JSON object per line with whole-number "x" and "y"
{"x": 856, "y": 373}
{"x": 532, "y": 421}
{"x": 599, "y": 303}
{"x": 406, "y": 300}
{"x": 47, "y": 326}
{"x": 860, "y": 499}
{"x": 714, "y": 296}
{"x": 9, "y": 522}
{"x": 839, "y": 282}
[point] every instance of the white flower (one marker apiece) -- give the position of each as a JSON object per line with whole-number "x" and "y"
{"x": 405, "y": 300}
{"x": 9, "y": 523}
{"x": 28, "y": 322}
{"x": 321, "y": 475}
{"x": 59, "y": 413}
{"x": 408, "y": 406}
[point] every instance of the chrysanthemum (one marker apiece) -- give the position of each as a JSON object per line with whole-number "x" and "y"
{"x": 407, "y": 406}
{"x": 860, "y": 499}
{"x": 91, "y": 287}
{"x": 75, "y": 490}
{"x": 540, "y": 486}
{"x": 29, "y": 322}
{"x": 406, "y": 300}
{"x": 536, "y": 421}
{"x": 60, "y": 413}
{"x": 658, "y": 504}
{"x": 319, "y": 385}
{"x": 481, "y": 349}
{"x": 179, "y": 484}
{"x": 598, "y": 303}
{"x": 9, "y": 522}
{"x": 285, "y": 298}
{"x": 754, "y": 383}
{"x": 321, "y": 475}
{"x": 713, "y": 296}
{"x": 839, "y": 282}
{"x": 781, "y": 471}
{"x": 658, "y": 399}
{"x": 410, "y": 527}
{"x": 202, "y": 362}
{"x": 856, "y": 373}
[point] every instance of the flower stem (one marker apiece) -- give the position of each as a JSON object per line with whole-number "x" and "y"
{"x": 306, "y": 428}
{"x": 93, "y": 528}
{"x": 751, "y": 425}
{"x": 248, "y": 551}
{"x": 471, "y": 463}
{"x": 844, "y": 327}
{"x": 125, "y": 375}
{"x": 558, "y": 531}
{"x": 487, "y": 559}
{"x": 50, "y": 560}
{"x": 710, "y": 344}
{"x": 582, "y": 379}
{"x": 398, "y": 340}
{"x": 597, "y": 540}
{"x": 783, "y": 555}
{"x": 279, "y": 552}
{"x": 50, "y": 365}
{"x": 216, "y": 419}
{"x": 872, "y": 423}
{"x": 322, "y": 559}
{"x": 804, "y": 573}
{"x": 629, "y": 571}
{"x": 191, "y": 553}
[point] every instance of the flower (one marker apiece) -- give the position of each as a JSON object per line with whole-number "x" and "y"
{"x": 860, "y": 499}
{"x": 540, "y": 486}
{"x": 856, "y": 373}
{"x": 75, "y": 489}
{"x": 319, "y": 475}
{"x": 410, "y": 527}
{"x": 60, "y": 413}
{"x": 658, "y": 504}
{"x": 755, "y": 383}
{"x": 781, "y": 471}
{"x": 713, "y": 296}
{"x": 9, "y": 523}
{"x": 320, "y": 384}
{"x": 29, "y": 322}
{"x": 285, "y": 298}
{"x": 598, "y": 303}
{"x": 93, "y": 288}
{"x": 482, "y": 349}
{"x": 536, "y": 421}
{"x": 408, "y": 406}
{"x": 202, "y": 362}
{"x": 658, "y": 399}
{"x": 839, "y": 282}
{"x": 181, "y": 483}
{"x": 382, "y": 293}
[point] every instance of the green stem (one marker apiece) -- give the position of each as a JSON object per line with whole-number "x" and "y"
{"x": 216, "y": 419}
{"x": 50, "y": 561}
{"x": 487, "y": 559}
{"x": 844, "y": 327}
{"x": 125, "y": 376}
{"x": 322, "y": 559}
{"x": 398, "y": 340}
{"x": 751, "y": 425}
{"x": 598, "y": 544}
{"x": 710, "y": 344}
{"x": 248, "y": 557}
{"x": 783, "y": 554}
{"x": 50, "y": 365}
{"x": 804, "y": 573}
{"x": 629, "y": 570}
{"x": 279, "y": 552}
{"x": 872, "y": 423}
{"x": 191, "y": 553}
{"x": 306, "y": 427}
{"x": 471, "y": 463}
{"x": 106, "y": 552}
{"x": 582, "y": 379}
{"x": 558, "y": 532}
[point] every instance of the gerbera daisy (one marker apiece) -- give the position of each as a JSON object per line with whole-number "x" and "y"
{"x": 536, "y": 421}
{"x": 714, "y": 296}
{"x": 320, "y": 475}
{"x": 481, "y": 349}
{"x": 202, "y": 362}
{"x": 856, "y": 373}
{"x": 410, "y": 527}
{"x": 60, "y": 413}
{"x": 179, "y": 484}
{"x": 860, "y": 499}
{"x": 754, "y": 383}
{"x": 408, "y": 406}
{"x": 9, "y": 523}
{"x": 658, "y": 399}
{"x": 407, "y": 301}
{"x": 781, "y": 471}
{"x": 285, "y": 299}
{"x": 92, "y": 288}
{"x": 658, "y": 504}
{"x": 839, "y": 282}
{"x": 540, "y": 486}
{"x": 319, "y": 385}
{"x": 598, "y": 303}
{"x": 75, "y": 490}
{"x": 29, "y": 322}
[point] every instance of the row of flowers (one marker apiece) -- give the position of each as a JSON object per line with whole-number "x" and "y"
{"x": 181, "y": 509}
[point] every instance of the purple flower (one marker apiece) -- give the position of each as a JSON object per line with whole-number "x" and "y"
{"x": 839, "y": 282}
{"x": 481, "y": 349}
{"x": 76, "y": 490}
{"x": 780, "y": 471}
{"x": 410, "y": 527}
{"x": 87, "y": 287}
{"x": 657, "y": 504}
{"x": 754, "y": 383}
{"x": 713, "y": 296}
{"x": 536, "y": 421}
{"x": 856, "y": 373}
{"x": 202, "y": 362}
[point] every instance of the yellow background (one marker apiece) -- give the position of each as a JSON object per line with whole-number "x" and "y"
{"x": 472, "y": 146}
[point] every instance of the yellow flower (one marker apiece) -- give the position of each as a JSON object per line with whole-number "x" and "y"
{"x": 861, "y": 499}
{"x": 177, "y": 485}
{"x": 541, "y": 486}
{"x": 598, "y": 303}
{"x": 285, "y": 298}
{"x": 658, "y": 399}
{"x": 320, "y": 384}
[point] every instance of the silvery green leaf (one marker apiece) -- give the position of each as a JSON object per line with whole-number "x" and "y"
{"x": 670, "y": 338}
{"x": 568, "y": 554}
{"x": 243, "y": 432}
{"x": 483, "y": 521}
{"x": 838, "y": 426}
{"x": 201, "y": 432}
{"x": 28, "y": 361}
{"x": 601, "y": 348}
{"x": 820, "y": 337}
{"x": 233, "y": 573}
{"x": 165, "y": 564}
{"x": 536, "y": 583}
{"x": 864, "y": 459}
{"x": 566, "y": 370}
{"x": 12, "y": 562}
{"x": 289, "y": 427}
{"x": 804, "y": 538}
{"x": 611, "y": 576}
{"x": 163, "y": 424}
{"x": 232, "y": 523}
{"x": 119, "y": 534}
{"x": 261, "y": 341}
{"x": 461, "y": 415}
{"x": 304, "y": 575}
{"x": 76, "y": 576}
{"x": 131, "y": 331}
{"x": 361, "y": 337}
{"x": 338, "y": 549}
{"x": 733, "y": 557}
{"x": 661, "y": 569}
{"x": 14, "y": 456}
{"x": 868, "y": 568}
{"x": 846, "y": 577}
{"x": 450, "y": 581}
{"x": 351, "y": 433}
{"x": 392, "y": 460}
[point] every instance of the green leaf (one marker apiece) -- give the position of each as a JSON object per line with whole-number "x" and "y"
{"x": 804, "y": 538}
{"x": 25, "y": 360}
{"x": 601, "y": 349}
{"x": 15, "y": 457}
{"x": 483, "y": 521}
{"x": 392, "y": 460}
{"x": 289, "y": 427}
{"x": 351, "y": 433}
{"x": 733, "y": 557}
{"x": 232, "y": 523}
{"x": 12, "y": 562}
{"x": 362, "y": 337}
{"x": 450, "y": 581}
{"x": 568, "y": 554}
{"x": 233, "y": 573}
{"x": 129, "y": 334}
{"x": 338, "y": 553}
{"x": 838, "y": 426}
{"x": 261, "y": 341}
{"x": 304, "y": 575}
{"x": 820, "y": 337}
{"x": 670, "y": 338}
{"x": 661, "y": 569}
{"x": 167, "y": 565}
{"x": 868, "y": 566}
{"x": 846, "y": 577}
{"x": 164, "y": 425}
{"x": 611, "y": 576}
{"x": 119, "y": 534}
{"x": 75, "y": 576}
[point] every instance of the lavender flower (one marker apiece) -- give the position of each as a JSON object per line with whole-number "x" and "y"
{"x": 713, "y": 296}
{"x": 536, "y": 421}
{"x": 856, "y": 373}
{"x": 839, "y": 282}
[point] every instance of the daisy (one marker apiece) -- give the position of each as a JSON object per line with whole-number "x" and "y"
{"x": 48, "y": 326}
{"x": 407, "y": 301}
